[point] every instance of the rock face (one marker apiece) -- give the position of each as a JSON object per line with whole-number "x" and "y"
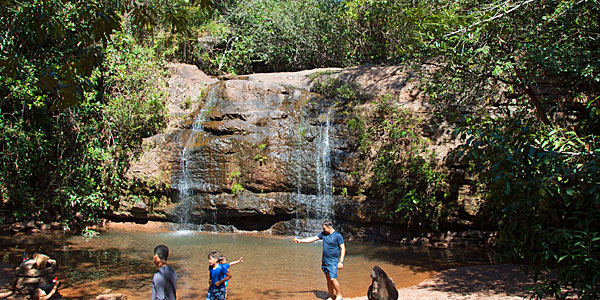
{"x": 262, "y": 152}
{"x": 382, "y": 287}
{"x": 257, "y": 153}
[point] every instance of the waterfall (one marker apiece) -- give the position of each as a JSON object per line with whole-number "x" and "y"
{"x": 319, "y": 207}
{"x": 324, "y": 208}
{"x": 185, "y": 185}
{"x": 298, "y": 139}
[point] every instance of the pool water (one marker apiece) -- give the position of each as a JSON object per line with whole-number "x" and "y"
{"x": 274, "y": 267}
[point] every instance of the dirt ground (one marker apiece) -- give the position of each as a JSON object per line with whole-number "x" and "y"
{"x": 491, "y": 282}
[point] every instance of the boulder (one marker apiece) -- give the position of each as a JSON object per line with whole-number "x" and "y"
{"x": 112, "y": 296}
{"x": 382, "y": 287}
{"x": 34, "y": 273}
{"x": 28, "y": 269}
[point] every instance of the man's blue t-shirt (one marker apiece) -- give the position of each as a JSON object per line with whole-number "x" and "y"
{"x": 217, "y": 273}
{"x": 331, "y": 247}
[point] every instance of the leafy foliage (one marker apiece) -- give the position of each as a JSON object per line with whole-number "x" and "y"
{"x": 235, "y": 178}
{"x": 520, "y": 79}
{"x": 272, "y": 35}
{"x": 543, "y": 185}
{"x": 405, "y": 177}
{"x": 75, "y": 105}
{"x": 335, "y": 87}
{"x": 281, "y": 35}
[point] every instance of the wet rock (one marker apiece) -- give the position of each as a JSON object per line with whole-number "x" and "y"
{"x": 55, "y": 225}
{"x": 34, "y": 273}
{"x": 382, "y": 286}
{"x": 112, "y": 296}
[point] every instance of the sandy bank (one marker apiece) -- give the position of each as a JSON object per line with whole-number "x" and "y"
{"x": 474, "y": 282}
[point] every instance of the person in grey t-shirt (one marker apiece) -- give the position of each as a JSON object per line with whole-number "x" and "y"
{"x": 334, "y": 251}
{"x": 164, "y": 282}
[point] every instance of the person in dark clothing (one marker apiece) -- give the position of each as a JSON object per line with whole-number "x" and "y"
{"x": 334, "y": 252}
{"x": 164, "y": 282}
{"x": 46, "y": 292}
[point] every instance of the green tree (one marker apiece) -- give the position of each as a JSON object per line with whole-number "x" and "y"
{"x": 75, "y": 103}
{"x": 275, "y": 35}
{"x": 521, "y": 81}
{"x": 48, "y": 51}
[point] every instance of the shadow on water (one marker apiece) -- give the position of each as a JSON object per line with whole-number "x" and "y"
{"x": 422, "y": 259}
{"x": 318, "y": 294}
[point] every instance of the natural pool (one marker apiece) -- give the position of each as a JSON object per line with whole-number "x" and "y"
{"x": 274, "y": 267}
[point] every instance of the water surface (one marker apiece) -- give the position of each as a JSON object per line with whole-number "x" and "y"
{"x": 274, "y": 267}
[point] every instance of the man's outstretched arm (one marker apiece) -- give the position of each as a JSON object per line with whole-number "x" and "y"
{"x": 307, "y": 240}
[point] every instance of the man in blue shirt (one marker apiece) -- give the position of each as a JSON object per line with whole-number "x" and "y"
{"x": 164, "y": 282}
{"x": 334, "y": 252}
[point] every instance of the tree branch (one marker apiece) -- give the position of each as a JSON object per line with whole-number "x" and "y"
{"x": 490, "y": 19}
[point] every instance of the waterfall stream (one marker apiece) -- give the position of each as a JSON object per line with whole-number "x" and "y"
{"x": 185, "y": 183}
{"x": 318, "y": 207}
{"x": 324, "y": 202}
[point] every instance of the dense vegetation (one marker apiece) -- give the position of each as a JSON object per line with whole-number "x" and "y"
{"x": 78, "y": 94}
{"x": 80, "y": 86}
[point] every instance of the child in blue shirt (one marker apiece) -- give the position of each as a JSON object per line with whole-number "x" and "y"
{"x": 218, "y": 276}
{"x": 223, "y": 263}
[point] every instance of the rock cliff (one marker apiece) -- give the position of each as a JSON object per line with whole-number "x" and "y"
{"x": 263, "y": 152}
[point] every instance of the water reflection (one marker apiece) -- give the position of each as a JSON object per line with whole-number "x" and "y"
{"x": 273, "y": 267}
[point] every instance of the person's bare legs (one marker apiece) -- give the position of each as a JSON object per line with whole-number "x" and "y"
{"x": 336, "y": 288}
{"x": 333, "y": 286}
{"x": 329, "y": 286}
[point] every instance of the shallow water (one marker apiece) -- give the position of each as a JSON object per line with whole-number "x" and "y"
{"x": 273, "y": 267}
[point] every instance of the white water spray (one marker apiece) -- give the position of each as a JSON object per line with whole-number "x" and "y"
{"x": 185, "y": 184}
